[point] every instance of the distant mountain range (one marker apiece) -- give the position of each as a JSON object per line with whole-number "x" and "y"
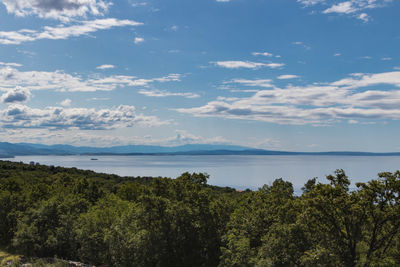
{"x": 25, "y": 149}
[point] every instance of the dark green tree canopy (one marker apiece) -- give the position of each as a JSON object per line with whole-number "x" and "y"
{"x": 124, "y": 221}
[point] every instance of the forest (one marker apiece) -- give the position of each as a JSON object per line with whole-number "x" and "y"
{"x": 107, "y": 220}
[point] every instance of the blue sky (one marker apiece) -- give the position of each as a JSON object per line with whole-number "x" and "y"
{"x": 305, "y": 75}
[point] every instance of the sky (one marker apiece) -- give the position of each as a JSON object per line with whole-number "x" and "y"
{"x": 295, "y": 75}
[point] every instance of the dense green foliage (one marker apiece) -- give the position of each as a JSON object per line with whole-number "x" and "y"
{"x": 109, "y": 220}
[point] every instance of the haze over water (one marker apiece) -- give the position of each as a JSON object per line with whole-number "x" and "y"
{"x": 240, "y": 172}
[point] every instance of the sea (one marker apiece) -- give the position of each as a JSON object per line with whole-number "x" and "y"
{"x": 237, "y": 171}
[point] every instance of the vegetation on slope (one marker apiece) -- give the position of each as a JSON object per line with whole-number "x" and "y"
{"x": 105, "y": 219}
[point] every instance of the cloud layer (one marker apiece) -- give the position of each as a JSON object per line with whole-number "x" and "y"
{"x": 314, "y": 104}
{"x": 21, "y": 116}
{"x": 102, "y": 138}
{"x": 11, "y": 77}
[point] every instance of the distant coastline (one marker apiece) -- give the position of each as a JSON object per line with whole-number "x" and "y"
{"x": 248, "y": 153}
{"x": 10, "y": 150}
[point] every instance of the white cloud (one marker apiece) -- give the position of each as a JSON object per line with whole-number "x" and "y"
{"x": 268, "y": 143}
{"x": 266, "y": 83}
{"x": 364, "y": 80}
{"x": 223, "y": 0}
{"x": 57, "y": 9}
{"x": 66, "y": 102}
{"x": 63, "y": 32}
{"x": 64, "y": 136}
{"x": 10, "y": 64}
{"x": 224, "y": 98}
{"x": 352, "y": 8}
{"x": 386, "y": 58}
{"x": 244, "y": 90}
{"x": 60, "y": 81}
{"x": 314, "y": 104}
{"x": 98, "y": 99}
{"x": 275, "y": 65}
{"x": 139, "y": 4}
{"x": 26, "y": 52}
{"x": 17, "y": 94}
{"x": 337, "y": 55}
{"x": 301, "y": 44}
{"x": 105, "y": 66}
{"x": 246, "y": 64}
{"x": 239, "y": 64}
{"x": 364, "y": 17}
{"x": 164, "y": 93}
{"x": 138, "y": 40}
{"x": 265, "y": 54}
{"x": 288, "y": 76}
{"x": 101, "y": 138}
{"x": 310, "y": 2}
{"x": 183, "y": 137}
{"x": 344, "y": 7}
{"x": 21, "y": 116}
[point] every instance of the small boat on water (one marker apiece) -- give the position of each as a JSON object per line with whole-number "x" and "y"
{"x": 94, "y": 159}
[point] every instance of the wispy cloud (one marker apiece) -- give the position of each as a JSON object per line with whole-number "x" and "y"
{"x": 139, "y": 4}
{"x": 364, "y": 17}
{"x": 275, "y": 65}
{"x": 310, "y": 2}
{"x": 105, "y": 67}
{"x": 62, "y": 31}
{"x": 265, "y": 54}
{"x": 10, "y": 64}
{"x": 246, "y": 64}
{"x": 287, "y": 76}
{"x": 301, "y": 44}
{"x": 265, "y": 83}
{"x": 164, "y": 93}
{"x": 66, "y": 102}
{"x": 183, "y": 137}
{"x": 60, "y": 81}
{"x": 138, "y": 40}
{"x": 100, "y": 138}
{"x": 174, "y": 28}
{"x": 352, "y": 8}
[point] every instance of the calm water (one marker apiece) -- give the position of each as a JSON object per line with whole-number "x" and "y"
{"x": 236, "y": 171}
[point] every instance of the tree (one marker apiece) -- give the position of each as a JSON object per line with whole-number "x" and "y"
{"x": 255, "y": 216}
{"x": 358, "y": 227}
